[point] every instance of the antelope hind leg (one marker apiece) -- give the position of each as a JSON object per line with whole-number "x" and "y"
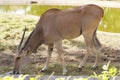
{"x": 82, "y": 63}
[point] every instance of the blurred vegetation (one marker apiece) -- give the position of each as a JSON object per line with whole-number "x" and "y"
{"x": 108, "y": 72}
{"x": 11, "y": 29}
{"x": 110, "y": 22}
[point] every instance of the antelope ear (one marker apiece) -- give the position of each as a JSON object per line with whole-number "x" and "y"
{"x": 27, "y": 52}
{"x": 18, "y": 56}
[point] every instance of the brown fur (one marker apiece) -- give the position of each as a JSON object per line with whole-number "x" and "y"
{"x": 56, "y": 25}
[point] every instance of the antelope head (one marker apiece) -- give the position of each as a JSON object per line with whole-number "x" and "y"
{"x": 20, "y": 57}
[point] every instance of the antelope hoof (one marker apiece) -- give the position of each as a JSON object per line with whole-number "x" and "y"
{"x": 16, "y": 72}
{"x": 79, "y": 69}
{"x": 43, "y": 70}
{"x": 94, "y": 68}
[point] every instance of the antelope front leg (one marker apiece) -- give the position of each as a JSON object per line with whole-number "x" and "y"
{"x": 50, "y": 49}
{"x": 58, "y": 46}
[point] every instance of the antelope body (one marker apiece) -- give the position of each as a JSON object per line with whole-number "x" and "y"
{"x": 56, "y": 25}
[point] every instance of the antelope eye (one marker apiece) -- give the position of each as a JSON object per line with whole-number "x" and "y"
{"x": 18, "y": 58}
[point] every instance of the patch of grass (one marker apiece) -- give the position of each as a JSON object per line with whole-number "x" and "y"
{"x": 4, "y": 69}
{"x": 110, "y": 21}
{"x": 28, "y": 20}
{"x": 11, "y": 28}
{"x": 57, "y": 69}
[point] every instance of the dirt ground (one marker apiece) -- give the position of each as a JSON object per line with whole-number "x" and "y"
{"x": 73, "y": 51}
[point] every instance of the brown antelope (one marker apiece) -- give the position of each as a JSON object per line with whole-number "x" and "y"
{"x": 56, "y": 25}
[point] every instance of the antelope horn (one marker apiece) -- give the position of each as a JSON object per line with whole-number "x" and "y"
{"x": 21, "y": 39}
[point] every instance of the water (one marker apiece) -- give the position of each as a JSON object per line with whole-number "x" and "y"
{"x": 109, "y": 23}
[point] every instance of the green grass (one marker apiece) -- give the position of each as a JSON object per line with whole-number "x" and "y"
{"x": 4, "y": 69}
{"x": 56, "y": 68}
{"x": 108, "y": 72}
{"x": 39, "y": 9}
{"x": 111, "y": 20}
